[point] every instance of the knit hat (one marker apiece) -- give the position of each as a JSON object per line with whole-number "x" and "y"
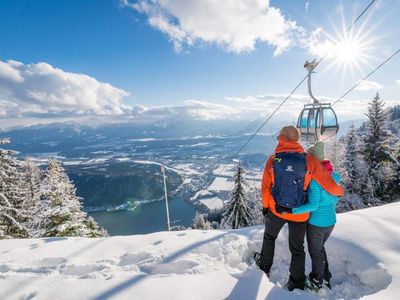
{"x": 318, "y": 149}
{"x": 291, "y": 133}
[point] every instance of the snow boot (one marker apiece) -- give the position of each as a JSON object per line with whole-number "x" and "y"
{"x": 257, "y": 259}
{"x": 327, "y": 283}
{"x": 313, "y": 284}
{"x": 292, "y": 285}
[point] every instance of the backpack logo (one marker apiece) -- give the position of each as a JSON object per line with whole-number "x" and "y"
{"x": 289, "y": 168}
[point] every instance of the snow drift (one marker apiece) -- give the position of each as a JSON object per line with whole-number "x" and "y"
{"x": 364, "y": 253}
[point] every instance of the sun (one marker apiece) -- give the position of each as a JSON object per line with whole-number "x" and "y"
{"x": 348, "y": 50}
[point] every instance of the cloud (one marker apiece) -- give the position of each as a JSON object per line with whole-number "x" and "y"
{"x": 398, "y": 81}
{"x": 9, "y": 71}
{"x": 42, "y": 89}
{"x": 234, "y": 25}
{"x": 369, "y": 85}
{"x": 40, "y": 93}
{"x": 191, "y": 110}
{"x": 317, "y": 44}
{"x": 246, "y": 109}
{"x": 6, "y": 107}
{"x": 306, "y": 6}
{"x": 261, "y": 106}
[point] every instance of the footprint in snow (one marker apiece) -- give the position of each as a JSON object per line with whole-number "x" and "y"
{"x": 81, "y": 270}
{"x": 175, "y": 267}
{"x": 137, "y": 258}
{"x": 27, "y": 297}
{"x": 51, "y": 261}
{"x": 356, "y": 273}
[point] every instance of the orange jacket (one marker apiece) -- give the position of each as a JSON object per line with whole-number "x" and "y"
{"x": 315, "y": 171}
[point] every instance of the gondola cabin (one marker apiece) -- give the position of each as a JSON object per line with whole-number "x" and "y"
{"x": 317, "y": 122}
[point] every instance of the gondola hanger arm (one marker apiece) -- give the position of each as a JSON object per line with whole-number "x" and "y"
{"x": 310, "y": 66}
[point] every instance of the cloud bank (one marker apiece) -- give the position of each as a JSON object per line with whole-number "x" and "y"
{"x": 42, "y": 89}
{"x": 235, "y": 25}
{"x": 41, "y": 94}
{"x": 367, "y": 85}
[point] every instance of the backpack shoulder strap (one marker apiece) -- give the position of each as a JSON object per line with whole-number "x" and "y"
{"x": 271, "y": 169}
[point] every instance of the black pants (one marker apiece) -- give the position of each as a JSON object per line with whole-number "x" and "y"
{"x": 316, "y": 238}
{"x": 297, "y": 232}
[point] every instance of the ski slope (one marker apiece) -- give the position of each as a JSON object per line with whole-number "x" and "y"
{"x": 364, "y": 255}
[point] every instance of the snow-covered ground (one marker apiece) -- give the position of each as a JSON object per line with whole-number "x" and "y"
{"x": 212, "y": 203}
{"x": 364, "y": 254}
{"x": 221, "y": 184}
{"x": 225, "y": 170}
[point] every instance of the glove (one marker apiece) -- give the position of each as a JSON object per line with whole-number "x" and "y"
{"x": 283, "y": 210}
{"x": 265, "y": 211}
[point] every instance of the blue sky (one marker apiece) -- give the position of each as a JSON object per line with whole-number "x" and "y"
{"x": 162, "y": 53}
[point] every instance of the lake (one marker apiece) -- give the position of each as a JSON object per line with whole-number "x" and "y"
{"x": 146, "y": 218}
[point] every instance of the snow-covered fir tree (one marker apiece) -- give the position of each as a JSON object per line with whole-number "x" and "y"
{"x": 93, "y": 229}
{"x": 376, "y": 151}
{"x": 335, "y": 152}
{"x": 199, "y": 222}
{"x": 32, "y": 184}
{"x": 395, "y": 191}
{"x": 354, "y": 172}
{"x": 255, "y": 203}
{"x": 13, "y": 216}
{"x": 62, "y": 210}
{"x": 350, "y": 202}
{"x": 237, "y": 212}
{"x": 351, "y": 163}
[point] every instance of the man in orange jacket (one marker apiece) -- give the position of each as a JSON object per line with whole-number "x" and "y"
{"x": 276, "y": 217}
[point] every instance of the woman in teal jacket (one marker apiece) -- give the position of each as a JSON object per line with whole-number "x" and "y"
{"x": 322, "y": 208}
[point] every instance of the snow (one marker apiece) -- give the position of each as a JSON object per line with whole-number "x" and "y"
{"x": 364, "y": 254}
{"x": 225, "y": 170}
{"x": 187, "y": 181}
{"x": 212, "y": 203}
{"x": 221, "y": 184}
{"x": 96, "y": 161}
{"x": 123, "y": 159}
{"x": 195, "y": 145}
{"x": 143, "y": 140}
{"x": 185, "y": 169}
{"x": 72, "y": 162}
{"x": 200, "y": 193}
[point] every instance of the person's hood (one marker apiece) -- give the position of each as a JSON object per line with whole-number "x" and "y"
{"x": 286, "y": 145}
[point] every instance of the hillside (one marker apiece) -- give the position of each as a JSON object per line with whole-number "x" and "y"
{"x": 364, "y": 255}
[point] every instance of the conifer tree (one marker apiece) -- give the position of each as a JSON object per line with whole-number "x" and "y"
{"x": 32, "y": 182}
{"x": 13, "y": 217}
{"x": 237, "y": 213}
{"x": 199, "y": 222}
{"x": 351, "y": 162}
{"x": 395, "y": 191}
{"x": 93, "y": 229}
{"x": 377, "y": 149}
{"x": 62, "y": 210}
{"x": 255, "y": 203}
{"x": 335, "y": 152}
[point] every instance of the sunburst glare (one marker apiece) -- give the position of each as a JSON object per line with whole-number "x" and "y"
{"x": 350, "y": 52}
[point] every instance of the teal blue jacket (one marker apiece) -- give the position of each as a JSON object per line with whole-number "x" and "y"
{"x": 321, "y": 204}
